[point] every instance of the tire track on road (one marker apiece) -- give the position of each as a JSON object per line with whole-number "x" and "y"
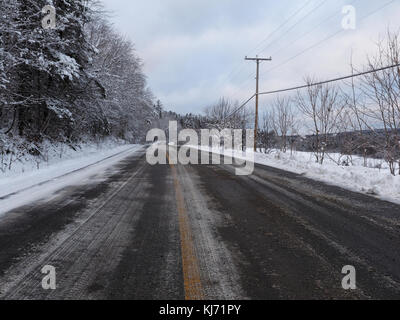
{"x": 21, "y": 281}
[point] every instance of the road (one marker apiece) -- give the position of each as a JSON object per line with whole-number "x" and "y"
{"x": 201, "y": 232}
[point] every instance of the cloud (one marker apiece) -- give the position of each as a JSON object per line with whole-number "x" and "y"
{"x": 194, "y": 50}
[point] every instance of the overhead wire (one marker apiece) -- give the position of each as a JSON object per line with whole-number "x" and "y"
{"x": 295, "y": 25}
{"x": 314, "y": 9}
{"x": 309, "y": 48}
{"x": 239, "y": 66}
{"x": 327, "y": 38}
{"x": 356, "y": 75}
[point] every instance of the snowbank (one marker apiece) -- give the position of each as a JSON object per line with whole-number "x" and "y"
{"x": 17, "y": 189}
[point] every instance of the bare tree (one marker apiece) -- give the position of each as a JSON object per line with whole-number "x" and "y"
{"x": 320, "y": 104}
{"x": 266, "y": 136}
{"x": 225, "y": 115}
{"x": 354, "y": 120}
{"x": 283, "y": 120}
{"x": 219, "y": 112}
{"x": 382, "y": 89}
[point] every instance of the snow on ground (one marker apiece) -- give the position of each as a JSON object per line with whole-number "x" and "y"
{"x": 76, "y": 167}
{"x": 375, "y": 179}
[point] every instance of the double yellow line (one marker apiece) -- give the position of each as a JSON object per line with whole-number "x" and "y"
{"x": 191, "y": 271}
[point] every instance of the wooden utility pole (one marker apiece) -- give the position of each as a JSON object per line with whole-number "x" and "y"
{"x": 257, "y": 60}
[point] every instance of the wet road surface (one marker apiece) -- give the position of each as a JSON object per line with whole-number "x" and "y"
{"x": 201, "y": 232}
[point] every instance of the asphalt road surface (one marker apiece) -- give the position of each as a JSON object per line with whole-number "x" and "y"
{"x": 201, "y": 232}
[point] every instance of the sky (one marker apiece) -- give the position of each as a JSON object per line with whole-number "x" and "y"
{"x": 193, "y": 50}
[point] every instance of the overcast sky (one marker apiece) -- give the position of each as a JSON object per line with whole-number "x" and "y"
{"x": 193, "y": 50}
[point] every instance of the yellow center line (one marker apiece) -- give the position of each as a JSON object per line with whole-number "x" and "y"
{"x": 191, "y": 271}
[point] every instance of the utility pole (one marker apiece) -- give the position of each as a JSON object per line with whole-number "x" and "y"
{"x": 257, "y": 60}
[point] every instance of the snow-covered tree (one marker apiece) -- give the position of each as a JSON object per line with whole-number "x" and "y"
{"x": 78, "y": 79}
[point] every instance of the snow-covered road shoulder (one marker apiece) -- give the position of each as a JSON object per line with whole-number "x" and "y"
{"x": 374, "y": 180}
{"x": 21, "y": 189}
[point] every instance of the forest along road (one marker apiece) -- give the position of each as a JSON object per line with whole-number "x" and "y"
{"x": 200, "y": 232}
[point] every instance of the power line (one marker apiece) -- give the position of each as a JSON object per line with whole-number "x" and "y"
{"x": 315, "y": 84}
{"x": 302, "y": 19}
{"x": 304, "y": 51}
{"x": 248, "y": 79}
{"x": 313, "y": 46}
{"x": 239, "y": 67}
{"x": 330, "y": 17}
{"x": 296, "y": 24}
{"x": 246, "y": 83}
{"x": 331, "y": 80}
{"x": 327, "y": 38}
{"x": 282, "y": 25}
{"x": 241, "y": 107}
